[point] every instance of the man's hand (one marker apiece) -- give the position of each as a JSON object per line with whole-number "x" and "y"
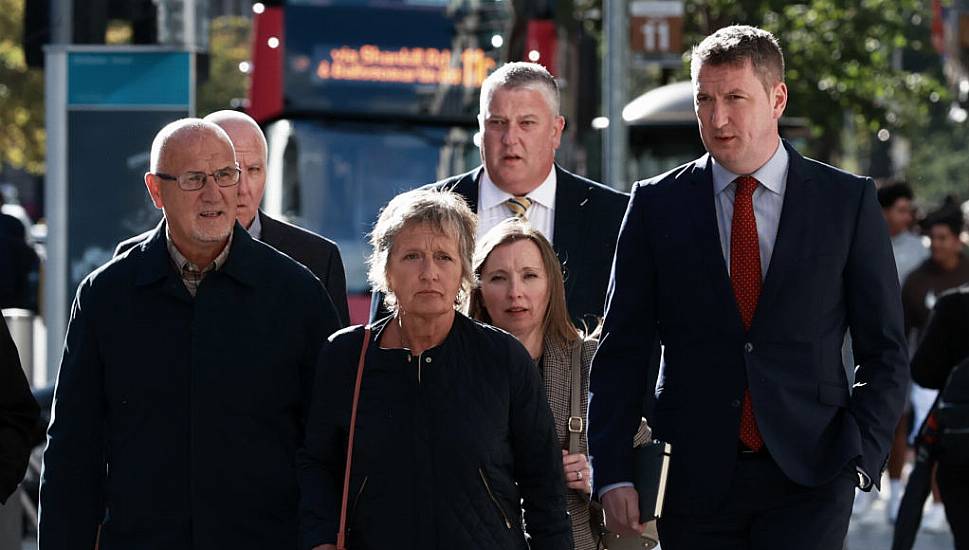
{"x": 622, "y": 511}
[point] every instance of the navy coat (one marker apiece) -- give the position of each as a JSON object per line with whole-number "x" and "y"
{"x": 832, "y": 269}
{"x": 176, "y": 420}
{"x": 449, "y": 447}
{"x": 319, "y": 254}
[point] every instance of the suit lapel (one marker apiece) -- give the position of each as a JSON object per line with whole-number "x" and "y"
{"x": 269, "y": 234}
{"x": 792, "y": 232}
{"x": 706, "y": 236}
{"x": 467, "y": 187}
{"x": 570, "y": 223}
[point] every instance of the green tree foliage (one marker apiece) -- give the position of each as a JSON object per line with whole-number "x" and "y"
{"x": 22, "y": 137}
{"x": 940, "y": 163}
{"x": 228, "y": 46}
{"x": 842, "y": 57}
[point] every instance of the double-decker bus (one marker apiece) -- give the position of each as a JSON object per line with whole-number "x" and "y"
{"x": 361, "y": 100}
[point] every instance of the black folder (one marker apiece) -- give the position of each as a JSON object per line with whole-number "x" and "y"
{"x": 652, "y": 469}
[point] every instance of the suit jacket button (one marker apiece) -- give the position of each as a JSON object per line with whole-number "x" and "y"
{"x": 749, "y": 347}
{"x": 735, "y": 403}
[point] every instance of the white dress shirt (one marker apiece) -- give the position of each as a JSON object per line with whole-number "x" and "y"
{"x": 492, "y": 209}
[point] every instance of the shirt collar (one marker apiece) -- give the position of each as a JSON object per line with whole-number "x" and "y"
{"x": 255, "y": 228}
{"x": 181, "y": 262}
{"x": 772, "y": 175}
{"x": 491, "y": 196}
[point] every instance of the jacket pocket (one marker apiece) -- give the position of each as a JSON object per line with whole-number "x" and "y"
{"x": 833, "y": 394}
{"x": 494, "y": 500}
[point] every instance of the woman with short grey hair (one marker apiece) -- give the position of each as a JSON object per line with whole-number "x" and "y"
{"x": 445, "y": 212}
{"x": 453, "y": 443}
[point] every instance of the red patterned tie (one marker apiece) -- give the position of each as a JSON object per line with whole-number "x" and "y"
{"x": 745, "y": 278}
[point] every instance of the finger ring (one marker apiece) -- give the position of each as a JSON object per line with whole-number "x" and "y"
{"x": 578, "y": 475}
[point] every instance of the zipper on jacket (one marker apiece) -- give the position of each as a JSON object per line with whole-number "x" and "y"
{"x": 356, "y": 502}
{"x": 494, "y": 500}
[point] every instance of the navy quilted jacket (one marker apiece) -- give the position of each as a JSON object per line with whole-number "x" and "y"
{"x": 450, "y": 447}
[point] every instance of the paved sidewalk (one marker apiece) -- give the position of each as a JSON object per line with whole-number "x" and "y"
{"x": 871, "y": 531}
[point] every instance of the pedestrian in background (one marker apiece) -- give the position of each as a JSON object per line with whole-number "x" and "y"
{"x": 521, "y": 290}
{"x": 17, "y": 260}
{"x": 319, "y": 254}
{"x": 898, "y": 209}
{"x": 909, "y": 252}
{"x": 453, "y": 437}
{"x": 178, "y": 407}
{"x": 946, "y": 344}
{"x": 18, "y": 416}
{"x": 750, "y": 264}
{"x": 946, "y": 267}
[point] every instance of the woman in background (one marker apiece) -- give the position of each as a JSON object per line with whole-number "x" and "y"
{"x": 521, "y": 289}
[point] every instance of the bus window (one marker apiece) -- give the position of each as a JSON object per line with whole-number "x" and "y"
{"x": 337, "y": 176}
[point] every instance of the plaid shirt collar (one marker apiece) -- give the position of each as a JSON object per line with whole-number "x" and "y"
{"x": 190, "y": 273}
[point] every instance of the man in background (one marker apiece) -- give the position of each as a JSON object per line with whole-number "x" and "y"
{"x": 909, "y": 251}
{"x": 318, "y": 254}
{"x": 945, "y": 268}
{"x": 521, "y": 128}
{"x": 18, "y": 416}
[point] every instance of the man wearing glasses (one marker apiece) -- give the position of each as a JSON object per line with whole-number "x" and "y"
{"x": 178, "y": 408}
{"x": 320, "y": 255}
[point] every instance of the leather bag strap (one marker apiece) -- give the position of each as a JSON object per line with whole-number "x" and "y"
{"x": 341, "y": 540}
{"x": 576, "y": 425}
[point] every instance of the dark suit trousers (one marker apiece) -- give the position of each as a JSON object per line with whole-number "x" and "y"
{"x": 954, "y": 485}
{"x": 764, "y": 510}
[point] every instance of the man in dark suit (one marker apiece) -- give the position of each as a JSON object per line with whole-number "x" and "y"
{"x": 520, "y": 131}
{"x": 750, "y": 264}
{"x": 18, "y": 416}
{"x": 184, "y": 384}
{"x": 319, "y": 254}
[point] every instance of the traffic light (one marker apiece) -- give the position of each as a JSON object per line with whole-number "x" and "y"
{"x": 89, "y": 23}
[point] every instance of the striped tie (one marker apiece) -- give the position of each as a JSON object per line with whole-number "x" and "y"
{"x": 518, "y": 206}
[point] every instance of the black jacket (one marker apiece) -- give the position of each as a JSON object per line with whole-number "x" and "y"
{"x": 946, "y": 339}
{"x": 18, "y": 416}
{"x": 176, "y": 420}
{"x": 319, "y": 254}
{"x": 447, "y": 447}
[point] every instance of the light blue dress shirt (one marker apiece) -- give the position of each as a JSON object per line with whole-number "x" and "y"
{"x": 768, "y": 202}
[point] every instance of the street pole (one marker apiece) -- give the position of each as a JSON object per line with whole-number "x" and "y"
{"x": 614, "y": 64}
{"x": 55, "y": 183}
{"x": 61, "y": 20}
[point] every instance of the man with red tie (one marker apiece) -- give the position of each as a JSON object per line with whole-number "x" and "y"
{"x": 749, "y": 265}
